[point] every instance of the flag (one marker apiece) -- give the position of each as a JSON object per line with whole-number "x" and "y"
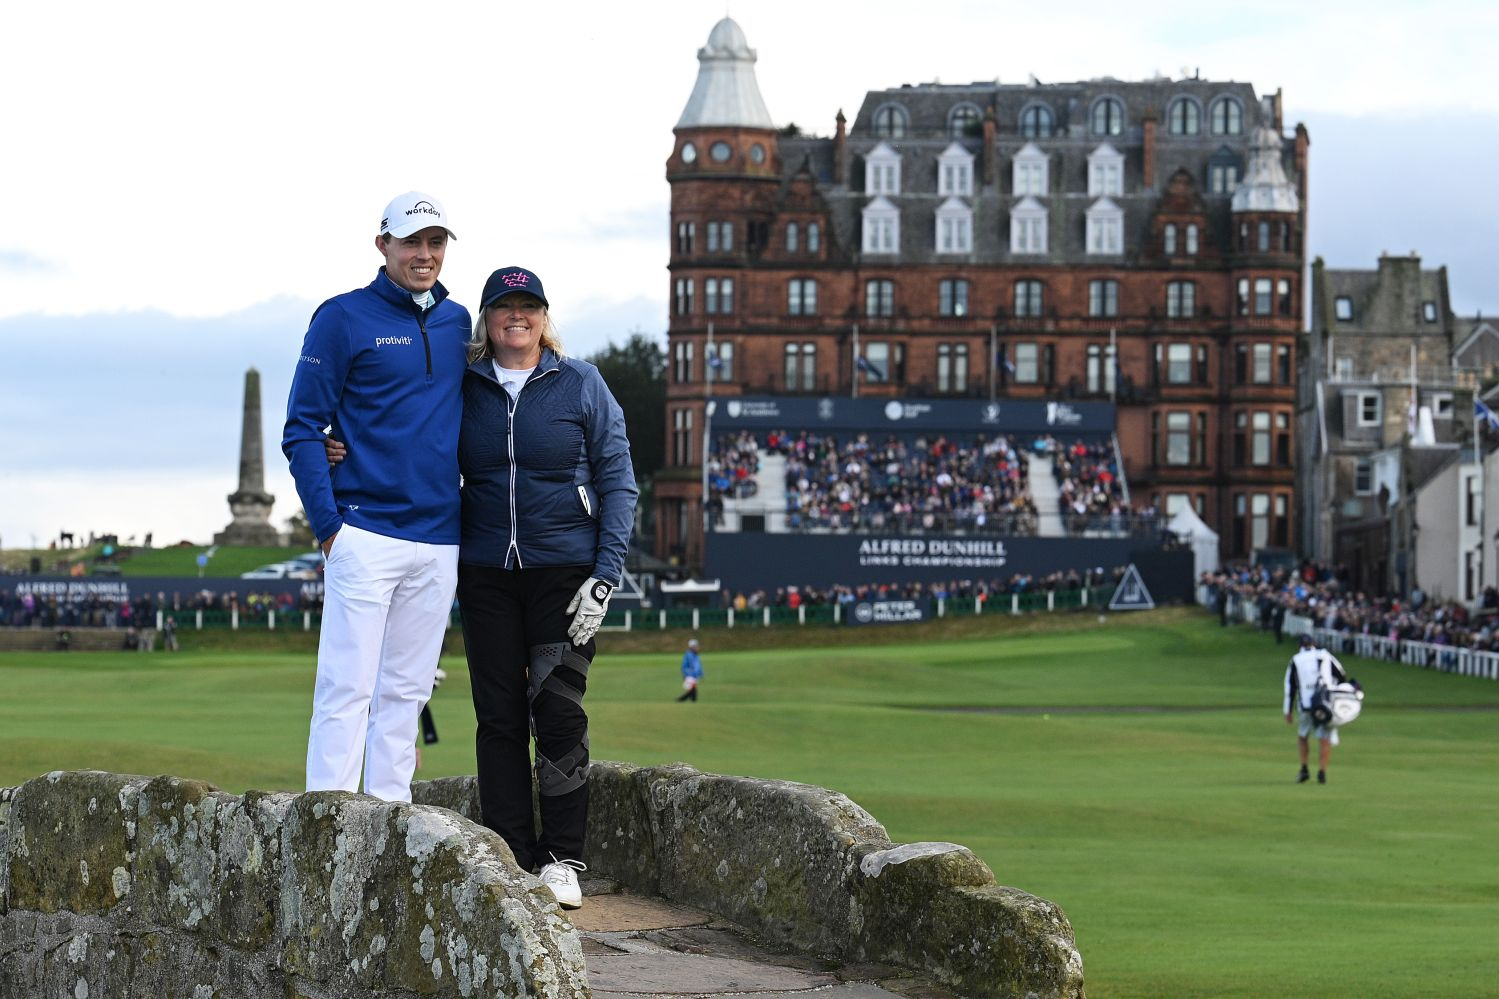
{"x": 870, "y": 370}
{"x": 1484, "y": 413}
{"x": 1004, "y": 362}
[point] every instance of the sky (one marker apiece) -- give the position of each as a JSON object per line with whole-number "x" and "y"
{"x": 187, "y": 181}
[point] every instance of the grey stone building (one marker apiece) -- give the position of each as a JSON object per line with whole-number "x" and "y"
{"x": 1390, "y": 487}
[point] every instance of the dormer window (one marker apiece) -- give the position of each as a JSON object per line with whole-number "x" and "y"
{"x": 1105, "y": 228}
{"x": 1105, "y": 172}
{"x": 1030, "y": 172}
{"x": 955, "y": 172}
{"x": 1223, "y": 171}
{"x": 1342, "y": 309}
{"x": 890, "y": 121}
{"x": 1168, "y": 239}
{"x": 1036, "y": 122}
{"x": 1184, "y": 117}
{"x": 1226, "y": 117}
{"x": 954, "y": 227}
{"x": 1028, "y": 227}
{"x": 1429, "y": 311}
{"x": 1192, "y": 239}
{"x": 963, "y": 120}
{"x": 882, "y": 170}
{"x": 881, "y": 226}
{"x": 1107, "y": 117}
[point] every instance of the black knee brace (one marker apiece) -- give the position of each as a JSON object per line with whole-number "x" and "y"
{"x": 563, "y": 776}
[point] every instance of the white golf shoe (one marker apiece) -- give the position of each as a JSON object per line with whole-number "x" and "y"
{"x": 562, "y": 877}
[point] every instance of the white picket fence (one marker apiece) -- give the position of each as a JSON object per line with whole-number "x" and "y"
{"x": 1427, "y": 655}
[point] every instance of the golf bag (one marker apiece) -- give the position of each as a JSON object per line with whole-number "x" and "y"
{"x": 1338, "y": 704}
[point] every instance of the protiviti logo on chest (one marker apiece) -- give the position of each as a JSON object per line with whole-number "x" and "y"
{"x": 393, "y": 341}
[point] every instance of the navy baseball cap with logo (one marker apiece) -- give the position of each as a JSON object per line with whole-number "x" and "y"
{"x": 412, "y": 212}
{"x": 508, "y": 281}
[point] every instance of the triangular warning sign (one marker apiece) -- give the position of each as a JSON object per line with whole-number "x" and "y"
{"x": 1131, "y": 593}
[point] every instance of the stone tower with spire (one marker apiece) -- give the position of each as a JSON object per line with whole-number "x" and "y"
{"x": 725, "y": 175}
{"x": 250, "y": 504}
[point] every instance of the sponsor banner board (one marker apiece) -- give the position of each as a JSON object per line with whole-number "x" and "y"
{"x": 745, "y": 562}
{"x": 888, "y": 611}
{"x": 121, "y": 588}
{"x": 876, "y": 416}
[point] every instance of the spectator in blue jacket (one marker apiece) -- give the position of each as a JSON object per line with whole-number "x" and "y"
{"x": 692, "y": 671}
{"x": 380, "y": 369}
{"x": 548, "y": 505}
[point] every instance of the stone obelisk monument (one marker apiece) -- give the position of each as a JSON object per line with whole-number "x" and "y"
{"x": 250, "y": 503}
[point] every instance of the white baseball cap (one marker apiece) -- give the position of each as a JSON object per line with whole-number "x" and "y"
{"x": 412, "y": 212}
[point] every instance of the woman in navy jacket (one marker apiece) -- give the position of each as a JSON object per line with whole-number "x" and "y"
{"x": 548, "y": 504}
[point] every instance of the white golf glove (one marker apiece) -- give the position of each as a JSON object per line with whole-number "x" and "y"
{"x": 590, "y": 603}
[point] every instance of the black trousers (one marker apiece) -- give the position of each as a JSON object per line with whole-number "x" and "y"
{"x": 506, "y": 614}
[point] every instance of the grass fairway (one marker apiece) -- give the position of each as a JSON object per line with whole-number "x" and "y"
{"x": 1137, "y": 772}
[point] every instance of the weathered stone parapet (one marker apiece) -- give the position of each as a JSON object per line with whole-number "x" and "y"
{"x": 119, "y": 885}
{"x": 809, "y": 868}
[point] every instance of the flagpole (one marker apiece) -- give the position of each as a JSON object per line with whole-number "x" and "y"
{"x": 708, "y": 407}
{"x": 854, "y": 365}
{"x": 993, "y": 360}
{"x": 708, "y": 358}
{"x": 1112, "y": 373}
{"x": 1481, "y": 415}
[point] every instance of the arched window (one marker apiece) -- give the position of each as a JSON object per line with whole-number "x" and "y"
{"x": 1036, "y": 122}
{"x": 1226, "y": 117}
{"x": 1184, "y": 117}
{"x": 1108, "y": 117}
{"x": 890, "y": 121}
{"x": 963, "y": 120}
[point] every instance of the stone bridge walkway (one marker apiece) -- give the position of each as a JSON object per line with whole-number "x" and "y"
{"x": 639, "y": 947}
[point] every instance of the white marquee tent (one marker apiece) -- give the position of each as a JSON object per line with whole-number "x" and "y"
{"x": 1189, "y": 527}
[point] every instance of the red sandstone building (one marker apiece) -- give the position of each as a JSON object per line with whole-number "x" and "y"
{"x": 1140, "y": 242}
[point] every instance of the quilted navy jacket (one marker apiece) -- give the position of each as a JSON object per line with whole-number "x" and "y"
{"x": 547, "y": 479}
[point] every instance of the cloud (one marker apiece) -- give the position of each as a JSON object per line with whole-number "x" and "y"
{"x": 1384, "y": 183}
{"x": 132, "y": 420}
{"x": 17, "y": 262}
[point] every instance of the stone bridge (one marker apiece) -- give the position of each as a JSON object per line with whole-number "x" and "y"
{"x": 116, "y": 885}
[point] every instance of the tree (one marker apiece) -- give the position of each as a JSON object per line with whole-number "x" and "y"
{"x": 297, "y": 529}
{"x": 636, "y": 374}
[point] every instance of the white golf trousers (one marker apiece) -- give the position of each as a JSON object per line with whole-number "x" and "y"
{"x": 385, "y": 608}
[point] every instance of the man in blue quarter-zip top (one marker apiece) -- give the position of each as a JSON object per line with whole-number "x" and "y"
{"x": 381, "y": 369}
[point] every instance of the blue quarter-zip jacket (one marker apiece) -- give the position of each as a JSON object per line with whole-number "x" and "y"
{"x": 386, "y": 377}
{"x": 546, "y": 477}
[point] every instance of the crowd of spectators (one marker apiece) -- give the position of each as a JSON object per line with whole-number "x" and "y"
{"x": 91, "y": 610}
{"x": 959, "y": 589}
{"x": 926, "y": 482}
{"x": 1321, "y": 592}
{"x": 922, "y": 482}
{"x": 1090, "y": 488}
